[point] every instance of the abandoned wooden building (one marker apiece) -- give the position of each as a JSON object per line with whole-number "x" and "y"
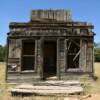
{"x": 51, "y": 44}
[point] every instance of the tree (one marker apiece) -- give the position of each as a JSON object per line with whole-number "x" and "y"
{"x": 97, "y": 52}
{"x": 2, "y": 53}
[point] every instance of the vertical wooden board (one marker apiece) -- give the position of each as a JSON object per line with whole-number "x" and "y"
{"x": 41, "y": 57}
{"x": 89, "y": 59}
{"x": 38, "y": 57}
{"x": 62, "y": 55}
{"x": 65, "y": 53}
{"x": 14, "y": 48}
{"x": 11, "y": 46}
{"x": 18, "y": 48}
{"x": 59, "y": 15}
{"x": 36, "y": 54}
{"x": 55, "y": 15}
{"x": 82, "y": 58}
{"x": 58, "y": 58}
{"x": 90, "y": 56}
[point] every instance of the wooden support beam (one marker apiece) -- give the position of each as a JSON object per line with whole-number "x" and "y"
{"x": 21, "y": 55}
{"x": 58, "y": 58}
{"x": 36, "y": 43}
{"x": 75, "y": 43}
{"x": 80, "y": 58}
{"x": 92, "y": 56}
{"x": 76, "y": 55}
{"x": 69, "y": 46}
{"x": 66, "y": 41}
{"x": 41, "y": 57}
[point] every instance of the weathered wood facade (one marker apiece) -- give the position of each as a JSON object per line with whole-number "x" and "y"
{"x": 50, "y": 44}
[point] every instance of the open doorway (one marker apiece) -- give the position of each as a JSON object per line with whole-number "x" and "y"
{"x": 28, "y": 58}
{"x": 49, "y": 51}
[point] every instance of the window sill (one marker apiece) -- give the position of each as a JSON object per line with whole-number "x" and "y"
{"x": 27, "y": 71}
{"x": 74, "y": 70}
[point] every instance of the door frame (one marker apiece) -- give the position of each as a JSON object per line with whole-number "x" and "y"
{"x": 53, "y": 45}
{"x": 42, "y": 58}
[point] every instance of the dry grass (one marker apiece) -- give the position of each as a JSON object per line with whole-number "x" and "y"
{"x": 97, "y": 70}
{"x": 91, "y": 87}
{"x": 2, "y": 72}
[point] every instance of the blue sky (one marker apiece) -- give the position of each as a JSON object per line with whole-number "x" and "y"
{"x": 19, "y": 11}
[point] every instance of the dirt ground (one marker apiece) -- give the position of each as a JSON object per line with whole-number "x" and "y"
{"x": 89, "y": 97}
{"x": 93, "y": 97}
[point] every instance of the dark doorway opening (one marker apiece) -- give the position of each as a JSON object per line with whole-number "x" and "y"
{"x": 73, "y": 53}
{"x": 49, "y": 68}
{"x": 28, "y": 52}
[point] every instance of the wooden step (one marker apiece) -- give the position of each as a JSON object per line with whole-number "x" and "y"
{"x": 58, "y": 83}
{"x": 53, "y": 88}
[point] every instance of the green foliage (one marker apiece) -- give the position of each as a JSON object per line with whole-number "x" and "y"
{"x": 2, "y": 53}
{"x": 97, "y": 52}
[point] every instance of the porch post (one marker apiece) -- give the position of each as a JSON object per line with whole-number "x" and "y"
{"x": 66, "y": 64}
{"x": 58, "y": 58}
{"x": 41, "y": 57}
{"x": 35, "y": 68}
{"x": 21, "y": 58}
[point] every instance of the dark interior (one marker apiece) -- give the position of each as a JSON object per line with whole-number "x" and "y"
{"x": 73, "y": 49}
{"x": 28, "y": 52}
{"x": 49, "y": 58}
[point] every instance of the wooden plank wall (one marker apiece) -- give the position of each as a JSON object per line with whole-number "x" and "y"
{"x": 14, "y": 48}
{"x": 58, "y": 15}
{"x": 62, "y": 55}
{"x": 14, "y": 54}
{"x": 82, "y": 57}
{"x": 90, "y": 56}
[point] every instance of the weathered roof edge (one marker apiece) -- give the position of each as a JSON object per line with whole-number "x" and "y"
{"x": 73, "y": 23}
